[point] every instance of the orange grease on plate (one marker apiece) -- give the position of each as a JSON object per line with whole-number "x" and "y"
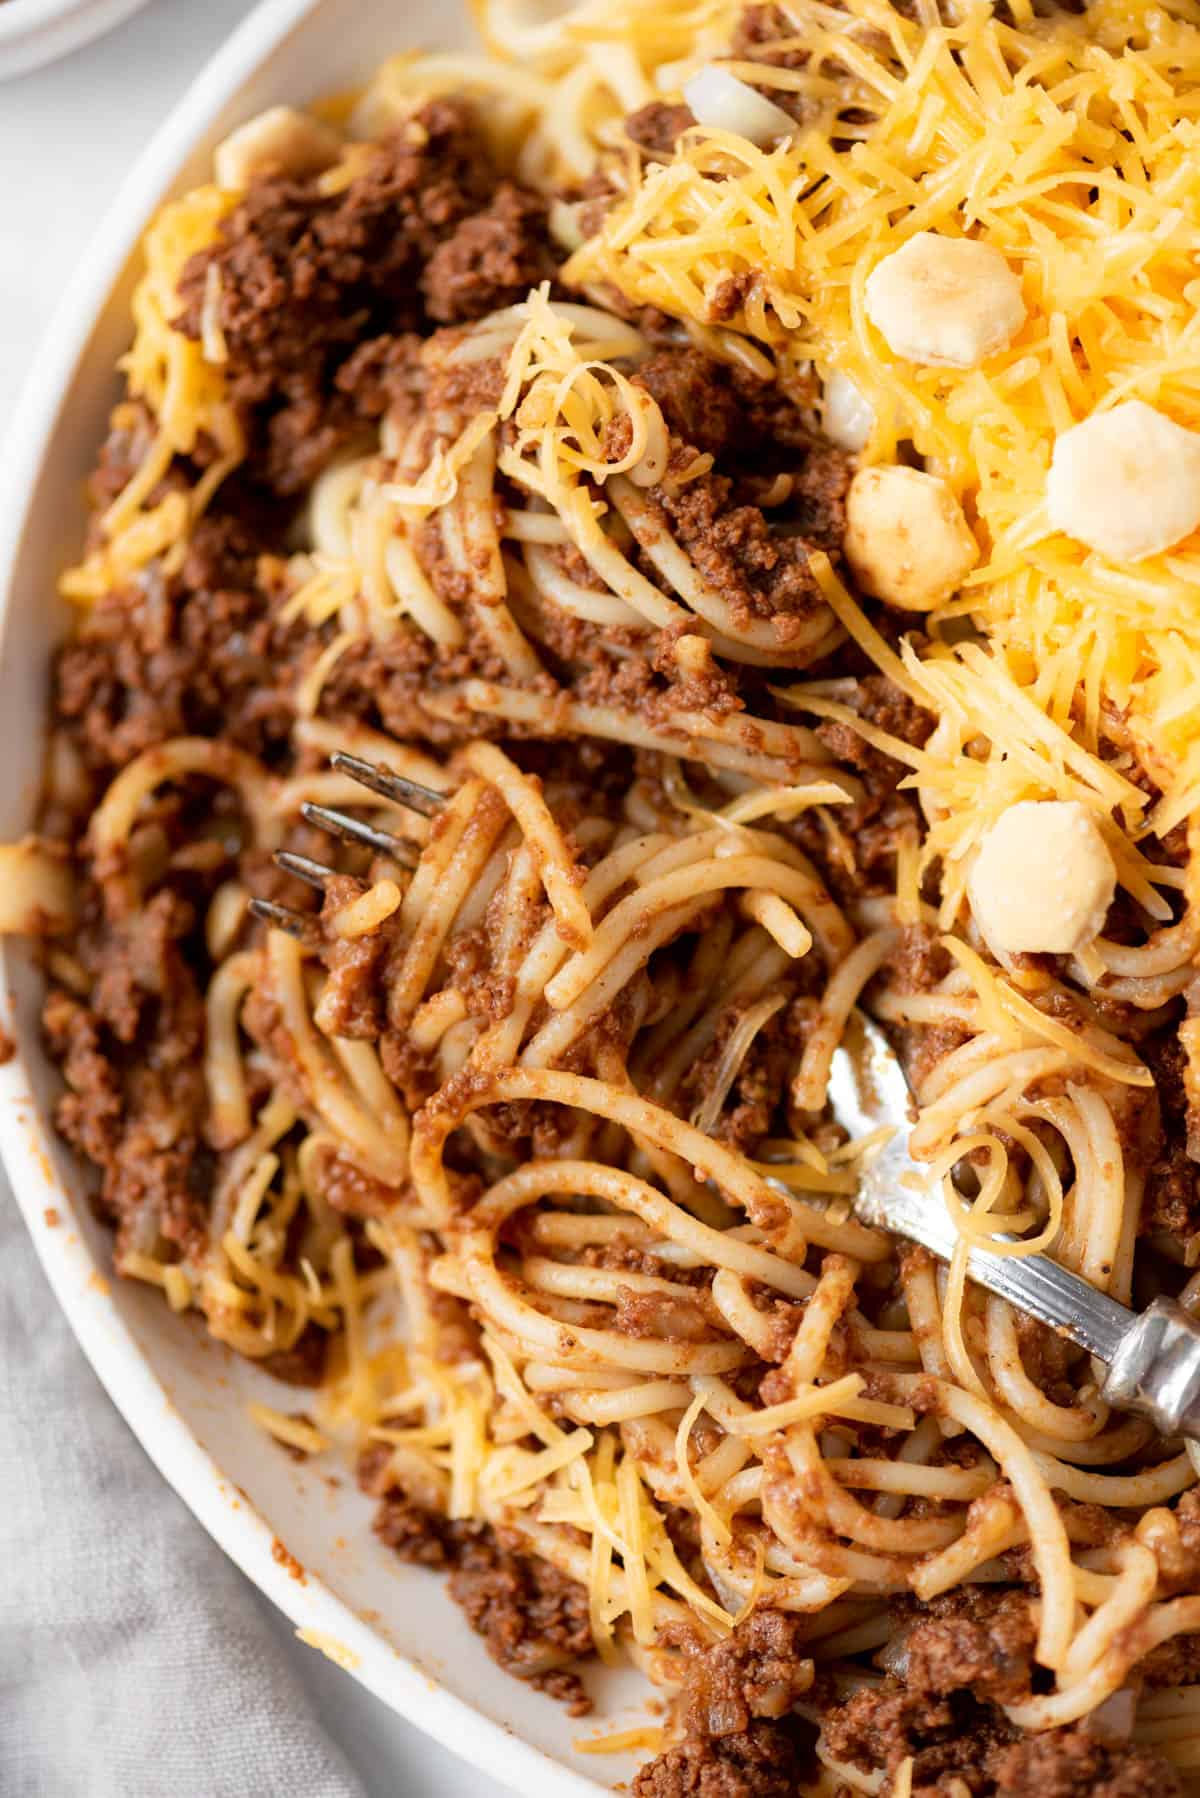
{"x": 287, "y": 1559}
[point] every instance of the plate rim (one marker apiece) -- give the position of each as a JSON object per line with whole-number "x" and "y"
{"x": 36, "y": 32}
{"x": 79, "y": 1282}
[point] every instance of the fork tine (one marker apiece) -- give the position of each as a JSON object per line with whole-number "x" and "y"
{"x": 303, "y": 867}
{"x": 418, "y": 798}
{"x": 294, "y": 922}
{"x": 353, "y": 830}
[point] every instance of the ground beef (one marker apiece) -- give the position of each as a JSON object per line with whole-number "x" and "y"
{"x": 961, "y": 1738}
{"x": 920, "y": 962}
{"x": 200, "y": 653}
{"x": 879, "y": 702}
{"x": 492, "y": 259}
{"x": 626, "y": 1256}
{"x": 923, "y": 1046}
{"x": 385, "y": 684}
{"x": 755, "y": 429}
{"x": 759, "y": 1762}
{"x": 1049, "y": 1359}
{"x": 739, "y": 1734}
{"x": 1173, "y": 1663}
{"x": 696, "y": 396}
{"x": 91, "y": 1113}
{"x": 729, "y": 294}
{"x": 420, "y": 1537}
{"x": 385, "y": 373}
{"x": 757, "y": 572}
{"x": 1074, "y": 1763}
{"x": 647, "y": 681}
{"x": 974, "y": 1640}
{"x": 352, "y": 1001}
{"x": 877, "y": 1726}
{"x": 756, "y": 35}
{"x": 857, "y": 852}
{"x": 132, "y": 1061}
{"x": 425, "y": 231}
{"x": 533, "y": 1619}
{"x": 968, "y": 1652}
{"x": 489, "y": 995}
{"x": 817, "y": 506}
{"x": 862, "y": 859}
{"x": 304, "y": 1363}
{"x": 753, "y": 1100}
{"x": 880, "y": 1726}
{"x": 657, "y": 127}
{"x": 1171, "y": 1201}
{"x": 758, "y": 1671}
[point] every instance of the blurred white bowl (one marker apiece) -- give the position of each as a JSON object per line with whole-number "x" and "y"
{"x": 33, "y": 32}
{"x": 183, "y": 1395}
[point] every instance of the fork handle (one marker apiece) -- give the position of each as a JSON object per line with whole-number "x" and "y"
{"x": 1156, "y": 1369}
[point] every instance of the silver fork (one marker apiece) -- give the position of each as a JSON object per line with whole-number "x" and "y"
{"x": 1153, "y": 1357}
{"x": 418, "y": 798}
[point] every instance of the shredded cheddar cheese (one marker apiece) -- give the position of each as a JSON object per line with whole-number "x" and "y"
{"x": 1069, "y": 146}
{"x": 464, "y": 1429}
{"x": 183, "y": 384}
{"x": 330, "y": 1647}
{"x": 293, "y": 1432}
{"x": 646, "y": 1739}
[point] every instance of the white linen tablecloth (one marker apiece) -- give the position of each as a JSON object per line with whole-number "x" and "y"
{"x": 135, "y": 1660}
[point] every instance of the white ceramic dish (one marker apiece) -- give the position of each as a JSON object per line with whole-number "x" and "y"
{"x": 184, "y": 1397}
{"x": 33, "y": 32}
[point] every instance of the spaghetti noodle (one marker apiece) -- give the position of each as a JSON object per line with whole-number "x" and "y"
{"x": 490, "y": 452}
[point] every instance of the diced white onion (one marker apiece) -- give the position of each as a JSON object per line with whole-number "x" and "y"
{"x": 848, "y": 416}
{"x": 564, "y": 225}
{"x": 723, "y": 103}
{"x": 893, "y": 1656}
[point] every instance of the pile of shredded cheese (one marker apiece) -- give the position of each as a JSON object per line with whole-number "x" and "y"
{"x": 1070, "y": 144}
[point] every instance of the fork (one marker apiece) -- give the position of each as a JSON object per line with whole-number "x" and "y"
{"x": 379, "y": 780}
{"x": 1153, "y": 1357}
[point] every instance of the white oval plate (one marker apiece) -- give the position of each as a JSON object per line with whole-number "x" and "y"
{"x": 184, "y": 1396}
{"x": 34, "y": 32}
